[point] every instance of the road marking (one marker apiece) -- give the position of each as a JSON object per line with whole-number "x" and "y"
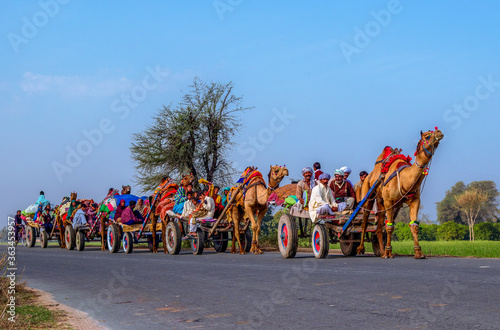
{"x": 484, "y": 266}
{"x": 397, "y": 297}
{"x": 218, "y": 315}
{"x": 172, "y": 309}
{"x": 325, "y": 283}
{"x": 404, "y": 310}
{"x": 439, "y": 305}
{"x": 243, "y": 322}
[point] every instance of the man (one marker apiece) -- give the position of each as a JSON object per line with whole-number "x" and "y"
{"x": 359, "y": 185}
{"x": 189, "y": 206}
{"x": 217, "y": 198}
{"x": 80, "y": 218}
{"x": 47, "y": 219}
{"x": 205, "y": 210}
{"x": 305, "y": 185}
{"x": 322, "y": 201}
{"x": 18, "y": 224}
{"x": 347, "y": 172}
{"x": 317, "y": 171}
{"x": 343, "y": 190}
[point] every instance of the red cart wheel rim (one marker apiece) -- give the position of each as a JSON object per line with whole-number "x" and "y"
{"x": 67, "y": 236}
{"x": 29, "y": 235}
{"x": 125, "y": 243}
{"x": 284, "y": 236}
{"x": 317, "y": 245}
{"x": 110, "y": 237}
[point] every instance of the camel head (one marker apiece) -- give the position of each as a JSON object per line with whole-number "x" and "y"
{"x": 126, "y": 190}
{"x": 187, "y": 179}
{"x": 429, "y": 141}
{"x": 276, "y": 174}
{"x": 73, "y": 196}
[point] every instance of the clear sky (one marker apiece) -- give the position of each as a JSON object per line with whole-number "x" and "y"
{"x": 331, "y": 81}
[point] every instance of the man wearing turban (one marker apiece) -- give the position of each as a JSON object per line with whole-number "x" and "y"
{"x": 342, "y": 189}
{"x": 322, "y": 201}
{"x": 305, "y": 186}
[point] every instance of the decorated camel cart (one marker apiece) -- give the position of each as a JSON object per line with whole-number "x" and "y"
{"x": 343, "y": 227}
{"x": 35, "y": 229}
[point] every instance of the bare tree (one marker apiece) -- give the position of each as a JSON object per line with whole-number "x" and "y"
{"x": 470, "y": 202}
{"x": 193, "y": 137}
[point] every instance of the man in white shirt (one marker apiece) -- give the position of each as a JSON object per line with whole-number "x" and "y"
{"x": 322, "y": 201}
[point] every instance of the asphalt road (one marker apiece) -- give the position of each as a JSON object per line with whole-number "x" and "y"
{"x": 158, "y": 291}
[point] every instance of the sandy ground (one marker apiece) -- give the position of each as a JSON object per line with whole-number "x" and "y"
{"x": 70, "y": 318}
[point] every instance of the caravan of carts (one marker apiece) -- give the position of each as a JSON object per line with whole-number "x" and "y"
{"x": 342, "y": 227}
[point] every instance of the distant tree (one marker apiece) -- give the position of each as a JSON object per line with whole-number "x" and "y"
{"x": 490, "y": 211}
{"x": 450, "y": 231}
{"x": 446, "y": 211}
{"x": 404, "y": 215}
{"x": 193, "y": 137}
{"x": 470, "y": 202}
{"x": 486, "y": 231}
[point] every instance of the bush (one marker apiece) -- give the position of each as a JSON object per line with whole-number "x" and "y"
{"x": 486, "y": 231}
{"x": 428, "y": 232}
{"x": 450, "y": 231}
{"x": 402, "y": 232}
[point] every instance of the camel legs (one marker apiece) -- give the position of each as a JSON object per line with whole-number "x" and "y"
{"x": 389, "y": 226}
{"x": 366, "y": 214}
{"x": 414, "y": 205}
{"x": 164, "y": 223}
{"x": 153, "y": 229}
{"x": 255, "y": 228}
{"x": 236, "y": 216}
{"x": 61, "y": 232}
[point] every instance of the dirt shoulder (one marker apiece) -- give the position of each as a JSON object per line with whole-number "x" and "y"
{"x": 67, "y": 317}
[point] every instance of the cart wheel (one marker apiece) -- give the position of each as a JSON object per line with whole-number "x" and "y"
{"x": 150, "y": 242}
{"x": 128, "y": 242}
{"x": 320, "y": 241}
{"x": 31, "y": 236}
{"x": 376, "y": 247}
{"x": 44, "y": 238}
{"x": 173, "y": 238}
{"x": 113, "y": 237}
{"x": 220, "y": 242}
{"x": 80, "y": 240}
{"x": 69, "y": 235}
{"x": 198, "y": 243}
{"x": 288, "y": 238}
{"x": 349, "y": 248}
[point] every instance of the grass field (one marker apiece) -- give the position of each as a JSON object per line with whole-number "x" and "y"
{"x": 479, "y": 249}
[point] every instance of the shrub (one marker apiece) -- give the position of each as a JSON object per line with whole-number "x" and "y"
{"x": 402, "y": 232}
{"x": 486, "y": 231}
{"x": 450, "y": 231}
{"x": 428, "y": 232}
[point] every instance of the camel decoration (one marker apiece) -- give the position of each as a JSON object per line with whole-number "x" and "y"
{"x": 401, "y": 186}
{"x": 165, "y": 202}
{"x": 251, "y": 201}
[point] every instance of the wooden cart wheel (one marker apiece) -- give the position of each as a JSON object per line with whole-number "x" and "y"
{"x": 31, "y": 233}
{"x": 320, "y": 241}
{"x": 44, "y": 238}
{"x": 173, "y": 238}
{"x": 288, "y": 238}
{"x": 349, "y": 248}
{"x": 376, "y": 247}
{"x": 220, "y": 242}
{"x": 70, "y": 237}
{"x": 198, "y": 243}
{"x": 128, "y": 242}
{"x": 80, "y": 240}
{"x": 113, "y": 238}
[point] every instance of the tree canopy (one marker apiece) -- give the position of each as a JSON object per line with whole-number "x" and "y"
{"x": 447, "y": 210}
{"x": 195, "y": 136}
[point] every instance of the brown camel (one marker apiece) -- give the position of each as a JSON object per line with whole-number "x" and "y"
{"x": 125, "y": 190}
{"x": 163, "y": 203}
{"x": 254, "y": 201}
{"x": 404, "y": 187}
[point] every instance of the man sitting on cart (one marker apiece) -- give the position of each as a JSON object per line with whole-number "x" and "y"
{"x": 343, "y": 190}
{"x": 305, "y": 186}
{"x": 205, "y": 209}
{"x": 189, "y": 207}
{"x": 322, "y": 201}
{"x": 80, "y": 218}
{"x": 47, "y": 219}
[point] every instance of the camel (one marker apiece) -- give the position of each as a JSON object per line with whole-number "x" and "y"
{"x": 163, "y": 203}
{"x": 402, "y": 186}
{"x": 252, "y": 201}
{"x": 125, "y": 190}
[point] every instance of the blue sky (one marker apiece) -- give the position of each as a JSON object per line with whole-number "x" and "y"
{"x": 330, "y": 81}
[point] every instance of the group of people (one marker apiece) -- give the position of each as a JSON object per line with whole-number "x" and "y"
{"x": 321, "y": 194}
